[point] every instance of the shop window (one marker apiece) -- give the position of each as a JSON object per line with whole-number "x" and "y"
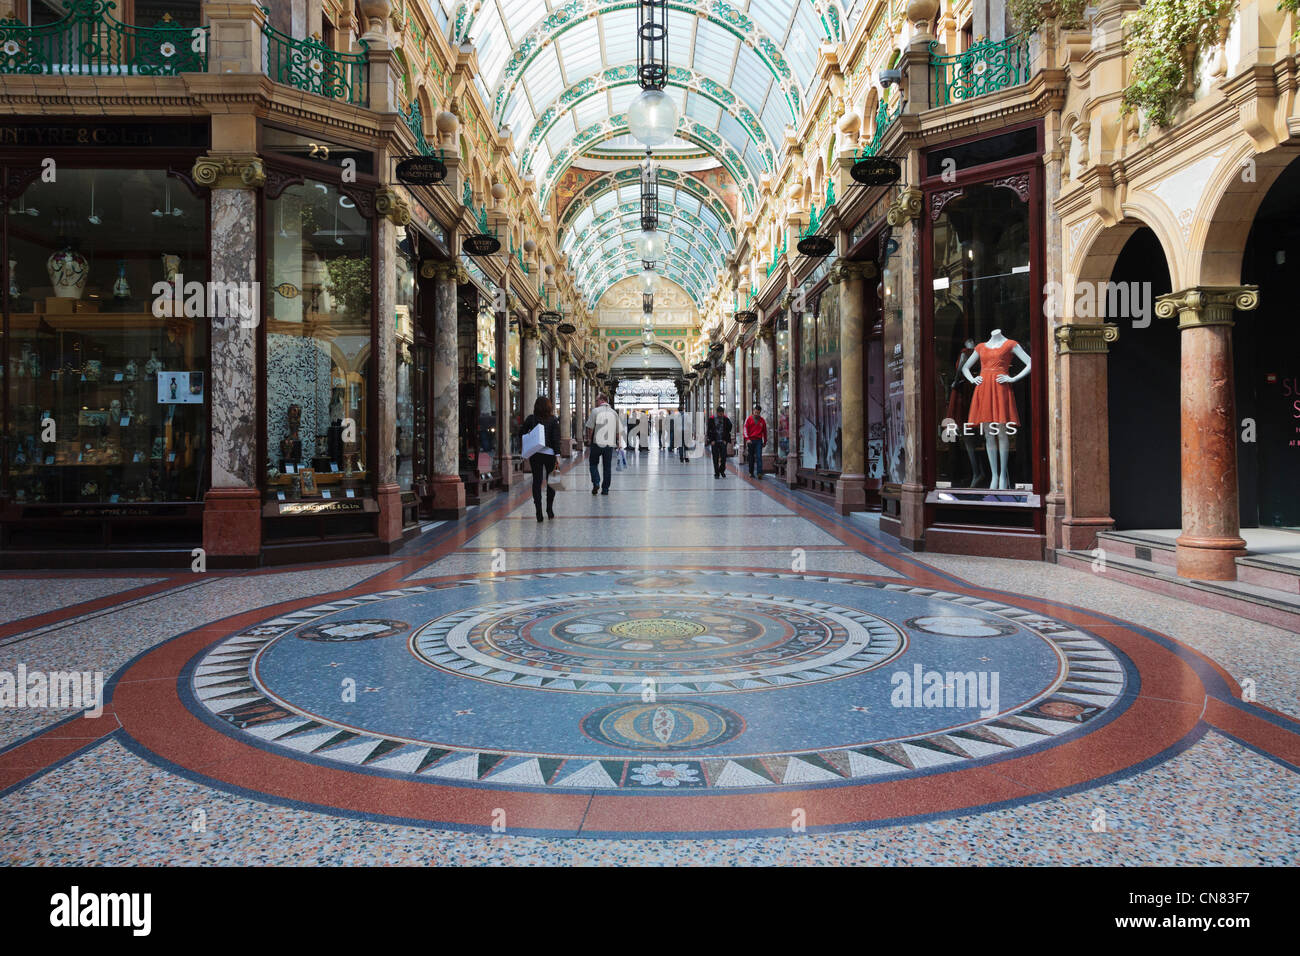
{"x": 517, "y": 414}
{"x": 318, "y": 344}
{"x": 780, "y": 416}
{"x": 476, "y": 341}
{"x": 807, "y": 391}
{"x": 405, "y": 308}
{"x": 107, "y": 391}
{"x": 982, "y": 313}
{"x": 894, "y": 467}
{"x": 829, "y": 433}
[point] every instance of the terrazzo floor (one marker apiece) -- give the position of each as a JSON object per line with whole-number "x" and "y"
{"x": 685, "y": 672}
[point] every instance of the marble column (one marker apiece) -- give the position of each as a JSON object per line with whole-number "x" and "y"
{"x": 715, "y": 391}
{"x": 792, "y": 345}
{"x": 851, "y": 486}
{"x": 905, "y": 280}
{"x": 504, "y": 456}
{"x": 729, "y": 387}
{"x": 767, "y": 394}
{"x": 1211, "y": 538}
{"x": 447, "y": 499}
{"x": 528, "y": 373}
{"x": 1084, "y": 435}
{"x": 387, "y": 491}
{"x": 566, "y": 416}
{"x": 552, "y": 387}
{"x": 232, "y": 507}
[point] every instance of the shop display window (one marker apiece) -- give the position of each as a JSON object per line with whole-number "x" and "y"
{"x": 477, "y": 349}
{"x": 807, "y": 391}
{"x": 781, "y": 414}
{"x": 517, "y": 414}
{"x": 982, "y": 340}
{"x": 319, "y": 304}
{"x": 107, "y": 326}
{"x": 894, "y": 466}
{"x": 406, "y": 425}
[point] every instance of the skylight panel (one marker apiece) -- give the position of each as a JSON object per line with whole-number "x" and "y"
{"x": 492, "y": 43}
{"x": 619, "y": 28}
{"x": 590, "y": 111}
{"x": 561, "y": 134}
{"x": 751, "y": 79}
{"x": 714, "y": 50}
{"x": 542, "y": 80}
{"x": 703, "y": 110}
{"x": 773, "y": 15}
{"x": 580, "y": 50}
{"x": 776, "y": 115}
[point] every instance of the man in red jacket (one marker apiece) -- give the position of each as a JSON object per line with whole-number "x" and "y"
{"x": 755, "y": 438}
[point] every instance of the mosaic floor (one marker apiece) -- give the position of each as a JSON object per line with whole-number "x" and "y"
{"x": 687, "y": 670}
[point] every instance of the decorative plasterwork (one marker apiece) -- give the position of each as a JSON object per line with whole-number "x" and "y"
{"x": 906, "y": 206}
{"x": 229, "y": 172}
{"x": 1085, "y": 339}
{"x": 1182, "y": 190}
{"x": 392, "y": 206}
{"x": 1202, "y": 306}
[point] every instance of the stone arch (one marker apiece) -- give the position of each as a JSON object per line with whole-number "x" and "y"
{"x": 1100, "y": 245}
{"x": 1227, "y": 209}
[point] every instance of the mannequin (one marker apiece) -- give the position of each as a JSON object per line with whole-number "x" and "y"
{"x": 993, "y": 404}
{"x": 959, "y": 397}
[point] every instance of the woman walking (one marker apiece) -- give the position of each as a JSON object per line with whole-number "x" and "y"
{"x": 542, "y": 461}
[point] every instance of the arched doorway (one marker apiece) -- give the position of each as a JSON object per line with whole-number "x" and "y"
{"x": 1266, "y": 353}
{"x": 1143, "y": 397}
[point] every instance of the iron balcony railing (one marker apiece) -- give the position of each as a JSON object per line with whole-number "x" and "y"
{"x": 89, "y": 40}
{"x": 988, "y": 66}
{"x": 884, "y": 120}
{"x": 311, "y": 65}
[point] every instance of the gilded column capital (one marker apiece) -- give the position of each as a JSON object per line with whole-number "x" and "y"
{"x": 229, "y": 172}
{"x": 846, "y": 270}
{"x": 1204, "y": 305}
{"x": 392, "y": 206}
{"x": 906, "y": 206}
{"x": 1085, "y": 339}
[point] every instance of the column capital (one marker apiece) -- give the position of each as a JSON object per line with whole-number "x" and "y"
{"x": 1085, "y": 339}
{"x": 392, "y": 206}
{"x": 229, "y": 172}
{"x": 846, "y": 270}
{"x": 906, "y": 206}
{"x": 1206, "y": 305}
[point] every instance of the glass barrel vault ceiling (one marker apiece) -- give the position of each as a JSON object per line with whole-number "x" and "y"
{"x": 552, "y": 70}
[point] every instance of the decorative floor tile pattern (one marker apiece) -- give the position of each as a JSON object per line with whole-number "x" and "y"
{"x": 1216, "y": 803}
{"x": 385, "y": 710}
{"x": 27, "y": 597}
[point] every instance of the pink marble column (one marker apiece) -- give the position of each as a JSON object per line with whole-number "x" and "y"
{"x": 1211, "y": 538}
{"x": 1085, "y": 434}
{"x": 851, "y": 487}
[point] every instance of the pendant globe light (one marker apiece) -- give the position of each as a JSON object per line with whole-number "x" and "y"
{"x": 650, "y": 244}
{"x": 652, "y": 116}
{"x": 648, "y": 277}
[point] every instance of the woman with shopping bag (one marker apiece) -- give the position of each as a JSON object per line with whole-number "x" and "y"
{"x": 541, "y": 437}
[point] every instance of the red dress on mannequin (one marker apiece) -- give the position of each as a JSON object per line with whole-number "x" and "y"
{"x": 994, "y": 401}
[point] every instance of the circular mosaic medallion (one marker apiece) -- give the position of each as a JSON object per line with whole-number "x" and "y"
{"x": 662, "y": 725}
{"x": 663, "y": 579}
{"x": 610, "y": 643}
{"x": 960, "y": 626}
{"x": 338, "y": 631}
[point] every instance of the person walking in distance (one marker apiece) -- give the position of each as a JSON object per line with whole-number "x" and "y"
{"x": 604, "y": 432}
{"x": 719, "y": 437}
{"x": 542, "y": 461}
{"x": 755, "y": 439}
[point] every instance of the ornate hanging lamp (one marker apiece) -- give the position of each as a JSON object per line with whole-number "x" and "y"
{"x": 652, "y": 116}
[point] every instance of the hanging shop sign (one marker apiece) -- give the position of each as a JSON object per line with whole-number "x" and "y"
{"x": 876, "y": 171}
{"x": 481, "y": 244}
{"x": 421, "y": 171}
{"x": 815, "y": 247}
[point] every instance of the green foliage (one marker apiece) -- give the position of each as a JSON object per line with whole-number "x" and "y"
{"x": 349, "y": 284}
{"x": 1027, "y": 15}
{"x": 1162, "y": 40}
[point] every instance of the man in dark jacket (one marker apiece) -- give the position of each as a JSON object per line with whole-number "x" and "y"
{"x": 718, "y": 436}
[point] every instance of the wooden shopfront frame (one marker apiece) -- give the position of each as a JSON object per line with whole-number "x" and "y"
{"x": 76, "y": 143}
{"x": 1013, "y": 528}
{"x": 311, "y": 529}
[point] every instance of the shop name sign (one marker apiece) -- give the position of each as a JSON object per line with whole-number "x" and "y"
{"x": 421, "y": 171}
{"x": 319, "y": 507}
{"x": 98, "y": 134}
{"x": 876, "y": 171}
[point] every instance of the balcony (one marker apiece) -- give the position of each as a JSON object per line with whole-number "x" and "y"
{"x": 310, "y": 65}
{"x": 89, "y": 41}
{"x": 988, "y": 66}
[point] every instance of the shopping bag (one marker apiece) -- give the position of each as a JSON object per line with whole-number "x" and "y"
{"x": 534, "y": 441}
{"x": 555, "y": 481}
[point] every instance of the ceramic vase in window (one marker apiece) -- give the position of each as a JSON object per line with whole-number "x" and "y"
{"x": 153, "y": 366}
{"x": 121, "y": 288}
{"x": 68, "y": 269}
{"x": 13, "y": 278}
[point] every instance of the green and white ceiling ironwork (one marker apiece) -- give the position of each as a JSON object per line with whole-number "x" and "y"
{"x": 675, "y": 188}
{"x": 596, "y": 245}
{"x": 769, "y": 46}
{"x": 687, "y": 129}
{"x": 705, "y": 101}
{"x": 676, "y": 266}
{"x": 625, "y": 218}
